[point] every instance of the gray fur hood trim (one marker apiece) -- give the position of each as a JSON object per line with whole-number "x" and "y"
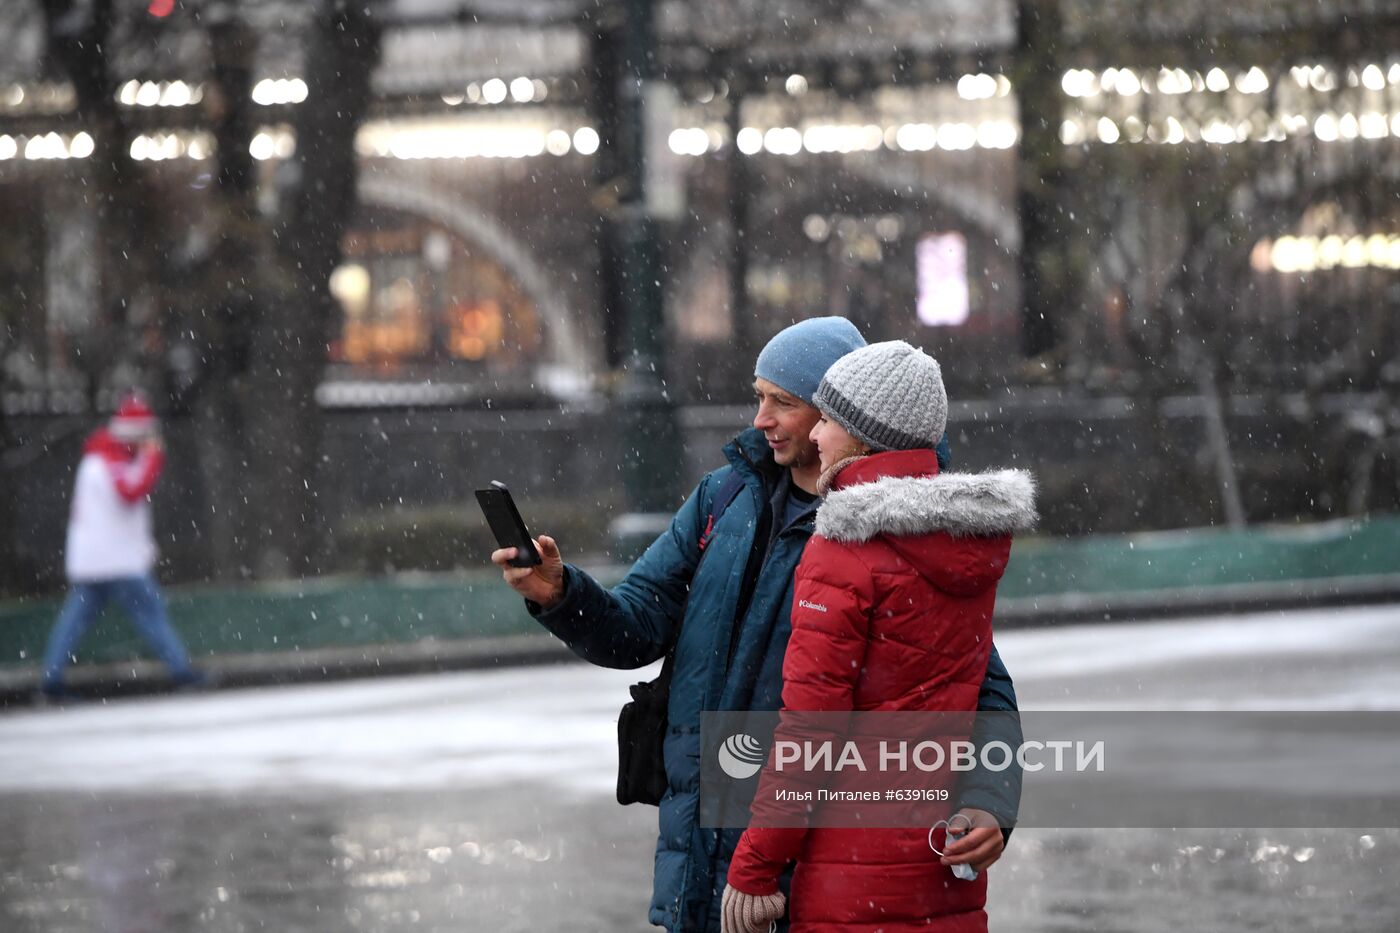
{"x": 962, "y": 504}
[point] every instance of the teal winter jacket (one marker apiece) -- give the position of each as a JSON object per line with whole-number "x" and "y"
{"x": 732, "y": 612}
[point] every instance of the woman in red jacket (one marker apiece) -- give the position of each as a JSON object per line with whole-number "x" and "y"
{"x": 892, "y": 611}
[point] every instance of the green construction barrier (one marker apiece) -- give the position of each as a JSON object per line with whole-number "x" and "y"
{"x": 1202, "y": 558}
{"x": 347, "y": 613}
{"x": 322, "y": 613}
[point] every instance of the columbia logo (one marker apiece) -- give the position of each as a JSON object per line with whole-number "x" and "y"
{"x": 806, "y": 605}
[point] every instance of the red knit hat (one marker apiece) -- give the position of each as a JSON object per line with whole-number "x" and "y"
{"x": 134, "y": 419}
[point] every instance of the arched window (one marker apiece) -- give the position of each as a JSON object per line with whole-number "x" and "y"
{"x": 416, "y": 297}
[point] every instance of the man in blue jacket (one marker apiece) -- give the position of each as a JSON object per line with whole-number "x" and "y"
{"x": 731, "y": 612}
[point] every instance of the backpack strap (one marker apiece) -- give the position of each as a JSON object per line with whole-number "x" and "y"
{"x": 727, "y": 492}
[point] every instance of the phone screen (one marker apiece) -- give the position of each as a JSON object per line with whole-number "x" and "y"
{"x": 506, "y": 524}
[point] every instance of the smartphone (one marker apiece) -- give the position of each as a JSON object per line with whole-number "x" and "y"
{"x": 507, "y": 525}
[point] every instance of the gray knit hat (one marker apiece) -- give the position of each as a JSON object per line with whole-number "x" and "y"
{"x": 887, "y": 395}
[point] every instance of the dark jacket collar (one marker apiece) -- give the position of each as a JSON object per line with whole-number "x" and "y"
{"x": 750, "y": 454}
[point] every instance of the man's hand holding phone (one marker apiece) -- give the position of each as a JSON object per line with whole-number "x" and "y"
{"x": 544, "y": 582}
{"x": 533, "y": 568}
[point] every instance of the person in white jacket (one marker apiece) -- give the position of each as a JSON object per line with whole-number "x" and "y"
{"x": 111, "y": 549}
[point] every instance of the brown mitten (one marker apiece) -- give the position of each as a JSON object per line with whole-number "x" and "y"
{"x": 749, "y": 913}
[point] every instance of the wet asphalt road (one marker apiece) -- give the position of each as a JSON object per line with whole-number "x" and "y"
{"x": 367, "y": 806}
{"x": 452, "y": 862}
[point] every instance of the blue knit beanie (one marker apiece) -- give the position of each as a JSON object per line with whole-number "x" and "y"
{"x": 797, "y": 358}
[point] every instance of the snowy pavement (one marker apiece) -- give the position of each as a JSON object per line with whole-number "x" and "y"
{"x": 483, "y": 800}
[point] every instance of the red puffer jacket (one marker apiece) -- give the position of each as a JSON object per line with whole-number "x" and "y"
{"x": 892, "y": 611}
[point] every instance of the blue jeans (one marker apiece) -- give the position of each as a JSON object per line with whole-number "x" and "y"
{"x": 140, "y": 597}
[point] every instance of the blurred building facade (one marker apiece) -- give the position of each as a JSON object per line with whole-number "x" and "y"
{"x": 798, "y": 171}
{"x": 1220, "y": 180}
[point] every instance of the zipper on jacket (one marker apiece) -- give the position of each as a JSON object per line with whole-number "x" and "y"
{"x": 746, "y": 596}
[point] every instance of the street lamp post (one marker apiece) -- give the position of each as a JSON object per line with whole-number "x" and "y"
{"x": 650, "y": 440}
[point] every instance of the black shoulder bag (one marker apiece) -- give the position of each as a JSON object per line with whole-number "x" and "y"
{"x": 641, "y": 726}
